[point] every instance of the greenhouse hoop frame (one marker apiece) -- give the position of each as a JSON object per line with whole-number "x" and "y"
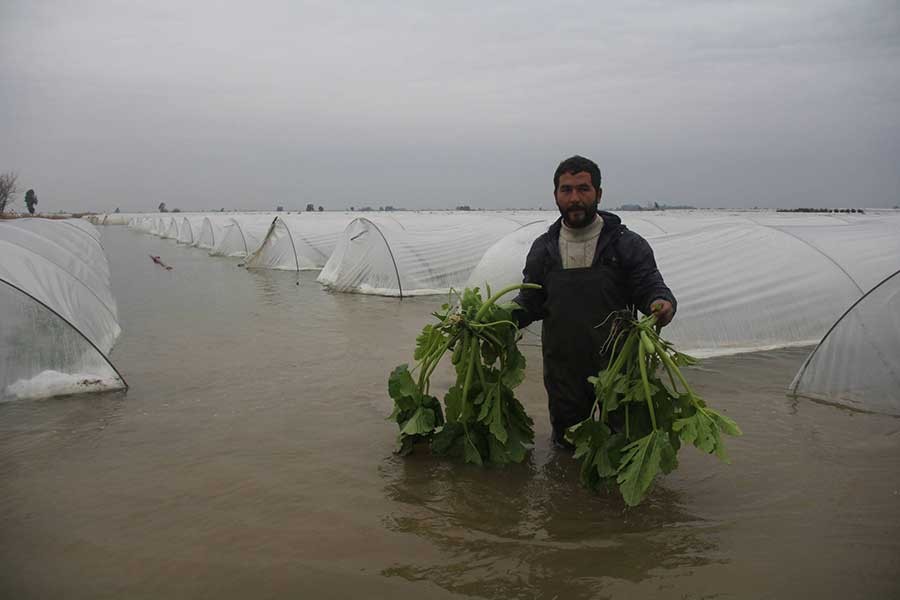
{"x": 78, "y": 331}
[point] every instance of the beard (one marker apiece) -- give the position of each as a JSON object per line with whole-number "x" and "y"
{"x": 579, "y": 215}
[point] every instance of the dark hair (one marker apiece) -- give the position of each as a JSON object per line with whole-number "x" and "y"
{"x": 577, "y": 164}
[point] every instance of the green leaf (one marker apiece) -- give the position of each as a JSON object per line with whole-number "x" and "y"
{"x": 453, "y": 403}
{"x": 609, "y": 456}
{"x": 640, "y": 464}
{"x": 725, "y": 424}
{"x": 496, "y": 422}
{"x": 488, "y": 353}
{"x": 422, "y": 422}
{"x": 514, "y": 369}
{"x": 471, "y": 454}
{"x": 684, "y": 360}
{"x": 668, "y": 453}
{"x": 425, "y": 342}
{"x": 517, "y": 443}
{"x": 703, "y": 432}
{"x": 448, "y": 440}
{"x": 401, "y": 384}
{"x": 487, "y": 405}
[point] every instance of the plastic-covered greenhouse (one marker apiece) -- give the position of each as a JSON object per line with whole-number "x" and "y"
{"x": 743, "y": 281}
{"x": 857, "y": 363}
{"x": 242, "y": 235}
{"x": 299, "y": 242}
{"x": 212, "y": 229}
{"x": 58, "y": 319}
{"x": 412, "y": 255}
{"x": 189, "y": 232}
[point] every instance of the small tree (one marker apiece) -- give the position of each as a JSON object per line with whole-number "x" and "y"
{"x": 7, "y": 189}
{"x": 310, "y": 208}
{"x": 162, "y": 207}
{"x": 320, "y": 208}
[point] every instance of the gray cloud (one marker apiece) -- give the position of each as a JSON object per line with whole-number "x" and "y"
{"x": 106, "y": 104}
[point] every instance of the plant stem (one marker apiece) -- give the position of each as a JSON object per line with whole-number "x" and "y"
{"x": 510, "y": 288}
{"x": 646, "y": 384}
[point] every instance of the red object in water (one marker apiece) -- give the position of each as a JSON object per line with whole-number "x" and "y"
{"x": 157, "y": 260}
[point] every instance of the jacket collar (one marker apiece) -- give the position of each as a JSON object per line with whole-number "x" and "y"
{"x": 612, "y": 228}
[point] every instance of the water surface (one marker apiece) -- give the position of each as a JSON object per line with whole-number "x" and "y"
{"x": 251, "y": 458}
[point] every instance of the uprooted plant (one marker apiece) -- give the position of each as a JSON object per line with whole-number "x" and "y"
{"x": 638, "y": 422}
{"x": 483, "y": 421}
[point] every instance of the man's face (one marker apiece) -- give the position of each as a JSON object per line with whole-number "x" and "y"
{"x": 577, "y": 199}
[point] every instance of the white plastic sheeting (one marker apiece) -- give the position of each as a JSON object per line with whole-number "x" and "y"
{"x": 189, "y": 232}
{"x": 299, "y": 242}
{"x": 412, "y": 255}
{"x": 212, "y": 230}
{"x": 171, "y": 228}
{"x": 745, "y": 281}
{"x": 857, "y": 363}
{"x": 109, "y": 219}
{"x": 242, "y": 235}
{"x": 58, "y": 319}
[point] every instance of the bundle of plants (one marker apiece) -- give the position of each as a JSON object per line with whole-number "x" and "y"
{"x": 639, "y": 421}
{"x": 482, "y": 420}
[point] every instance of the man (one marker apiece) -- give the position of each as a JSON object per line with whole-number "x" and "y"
{"x": 589, "y": 265}
{"x": 30, "y": 201}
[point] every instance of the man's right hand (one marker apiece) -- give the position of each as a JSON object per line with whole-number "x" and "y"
{"x": 663, "y": 311}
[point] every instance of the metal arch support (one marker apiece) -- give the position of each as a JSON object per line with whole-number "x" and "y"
{"x": 814, "y": 247}
{"x": 802, "y": 371}
{"x": 290, "y": 237}
{"x": 78, "y": 331}
{"x": 83, "y": 232}
{"x": 390, "y": 252}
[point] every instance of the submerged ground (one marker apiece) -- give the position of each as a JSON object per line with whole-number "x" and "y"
{"x": 251, "y": 458}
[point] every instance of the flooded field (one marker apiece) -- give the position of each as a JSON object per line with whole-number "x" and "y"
{"x": 251, "y": 458}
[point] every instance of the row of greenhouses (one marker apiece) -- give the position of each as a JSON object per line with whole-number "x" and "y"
{"x": 58, "y": 317}
{"x": 745, "y": 280}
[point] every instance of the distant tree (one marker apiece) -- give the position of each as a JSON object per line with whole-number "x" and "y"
{"x": 464, "y": 207}
{"x": 320, "y": 208}
{"x": 174, "y": 210}
{"x": 279, "y": 209}
{"x": 221, "y": 210}
{"x": 117, "y": 211}
{"x": 310, "y": 208}
{"x": 162, "y": 207}
{"x": 352, "y": 209}
{"x": 30, "y": 201}
{"x": 7, "y": 189}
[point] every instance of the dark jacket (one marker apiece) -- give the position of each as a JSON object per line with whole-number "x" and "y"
{"x": 574, "y": 305}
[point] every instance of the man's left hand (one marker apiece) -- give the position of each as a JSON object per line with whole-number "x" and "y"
{"x": 663, "y": 311}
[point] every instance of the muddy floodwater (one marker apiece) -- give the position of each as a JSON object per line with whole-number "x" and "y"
{"x": 251, "y": 458}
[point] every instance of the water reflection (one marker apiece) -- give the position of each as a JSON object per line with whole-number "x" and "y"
{"x": 532, "y": 531}
{"x": 52, "y": 424}
{"x": 275, "y": 287}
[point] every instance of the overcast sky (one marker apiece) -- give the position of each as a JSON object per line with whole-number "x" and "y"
{"x": 204, "y": 104}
